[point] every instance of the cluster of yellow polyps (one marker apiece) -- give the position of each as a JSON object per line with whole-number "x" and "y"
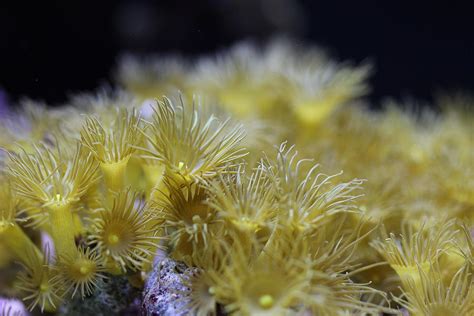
{"x": 210, "y": 175}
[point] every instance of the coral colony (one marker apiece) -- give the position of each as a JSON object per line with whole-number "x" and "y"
{"x": 261, "y": 169}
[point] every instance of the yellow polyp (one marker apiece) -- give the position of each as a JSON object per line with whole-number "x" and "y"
{"x": 20, "y": 245}
{"x": 451, "y": 261}
{"x": 266, "y": 301}
{"x": 184, "y": 176}
{"x": 154, "y": 177}
{"x": 114, "y": 173}
{"x": 62, "y": 229}
{"x": 113, "y": 267}
{"x": 134, "y": 174}
{"x": 411, "y": 273}
{"x": 246, "y": 98}
{"x": 78, "y": 226}
{"x": 313, "y": 112}
{"x": 153, "y": 174}
{"x": 4, "y": 225}
{"x": 442, "y": 310}
{"x": 238, "y": 101}
{"x": 454, "y": 258}
{"x": 5, "y": 255}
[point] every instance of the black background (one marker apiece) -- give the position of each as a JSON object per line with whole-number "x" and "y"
{"x": 49, "y": 49}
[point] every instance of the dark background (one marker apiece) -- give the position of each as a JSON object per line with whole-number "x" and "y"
{"x": 49, "y": 49}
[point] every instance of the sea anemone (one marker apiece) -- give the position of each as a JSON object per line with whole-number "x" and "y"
{"x": 51, "y": 184}
{"x": 305, "y": 197}
{"x": 187, "y": 220}
{"x": 244, "y": 200}
{"x": 262, "y": 283}
{"x": 414, "y": 250}
{"x": 115, "y": 178}
{"x": 40, "y": 285}
{"x": 189, "y": 145}
{"x": 112, "y": 147}
{"x": 83, "y": 272}
{"x": 430, "y": 296}
{"x": 123, "y": 233}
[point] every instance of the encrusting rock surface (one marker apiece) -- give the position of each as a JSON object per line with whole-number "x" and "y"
{"x": 115, "y": 296}
{"x": 164, "y": 293}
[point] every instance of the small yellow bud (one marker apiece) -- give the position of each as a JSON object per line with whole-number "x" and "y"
{"x": 113, "y": 239}
{"x": 266, "y": 301}
{"x": 196, "y": 219}
{"x": 83, "y": 270}
{"x": 212, "y": 290}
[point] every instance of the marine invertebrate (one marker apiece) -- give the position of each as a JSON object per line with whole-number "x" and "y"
{"x": 186, "y": 144}
{"x": 245, "y": 201}
{"x": 414, "y": 250}
{"x": 187, "y": 220}
{"x": 305, "y": 198}
{"x": 116, "y": 178}
{"x": 432, "y": 297}
{"x": 112, "y": 147}
{"x": 202, "y": 284}
{"x": 82, "y": 272}
{"x": 13, "y": 236}
{"x": 123, "y": 233}
{"x": 39, "y": 285}
{"x": 259, "y": 283}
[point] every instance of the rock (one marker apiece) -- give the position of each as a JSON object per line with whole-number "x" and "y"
{"x": 164, "y": 293}
{"x": 12, "y": 307}
{"x": 116, "y": 296}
